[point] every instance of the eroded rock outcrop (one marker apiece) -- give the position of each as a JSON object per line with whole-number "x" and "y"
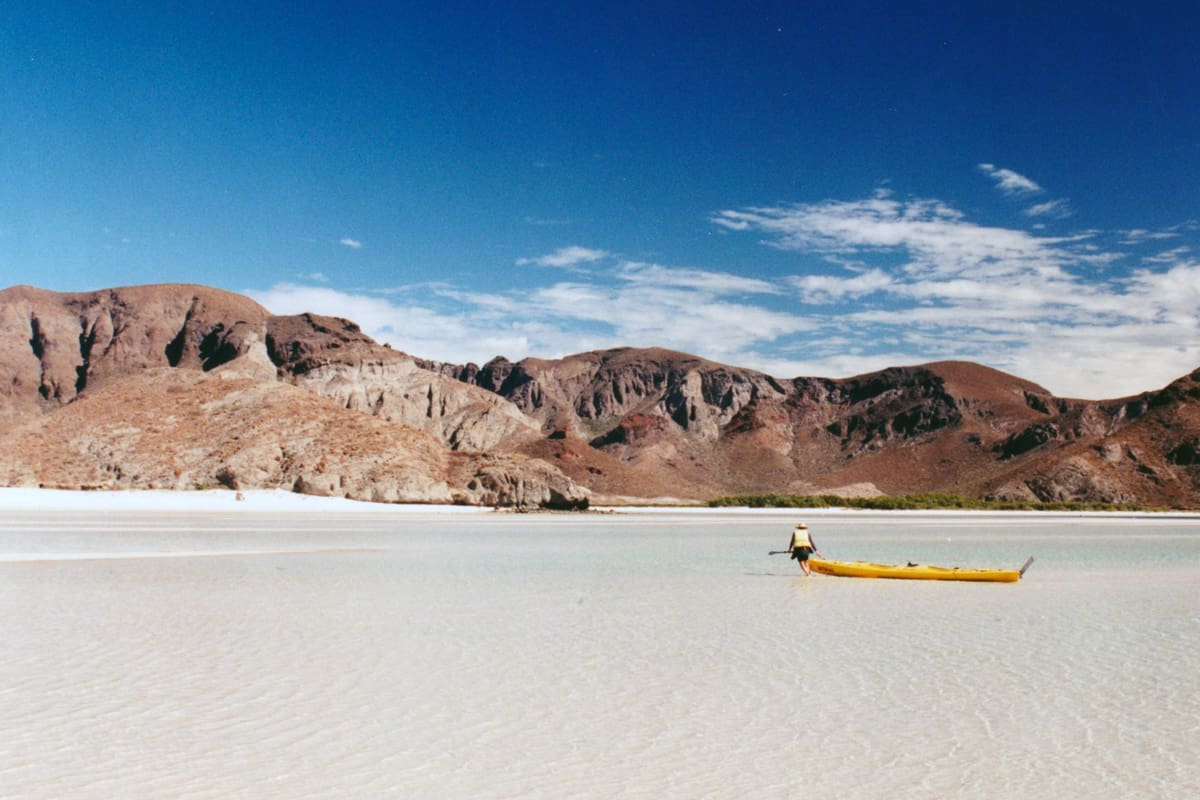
{"x": 333, "y": 358}
{"x": 231, "y": 429}
{"x": 1076, "y": 479}
{"x": 54, "y": 345}
{"x": 515, "y": 481}
{"x": 591, "y": 393}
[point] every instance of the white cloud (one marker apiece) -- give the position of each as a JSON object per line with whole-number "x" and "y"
{"x": 1172, "y": 256}
{"x": 565, "y": 257}
{"x": 1055, "y": 209}
{"x": 638, "y": 304}
{"x": 414, "y": 327}
{"x": 1173, "y": 297}
{"x": 1140, "y": 235}
{"x": 821, "y": 289}
{"x": 1009, "y": 182}
{"x": 719, "y": 283}
{"x": 655, "y": 305}
{"x": 937, "y": 238}
{"x": 946, "y": 287}
{"x": 353, "y": 244}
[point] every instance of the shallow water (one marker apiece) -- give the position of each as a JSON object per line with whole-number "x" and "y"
{"x": 597, "y": 656}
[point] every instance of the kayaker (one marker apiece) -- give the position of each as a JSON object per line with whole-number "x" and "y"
{"x": 802, "y": 547}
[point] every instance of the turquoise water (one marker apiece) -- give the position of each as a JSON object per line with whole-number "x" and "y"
{"x": 657, "y": 655}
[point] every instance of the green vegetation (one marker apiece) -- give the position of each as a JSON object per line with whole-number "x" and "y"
{"x": 911, "y": 502}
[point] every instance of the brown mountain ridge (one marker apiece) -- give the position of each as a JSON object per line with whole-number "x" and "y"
{"x": 181, "y": 386}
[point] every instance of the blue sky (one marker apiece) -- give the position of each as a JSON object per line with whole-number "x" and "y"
{"x": 807, "y": 189}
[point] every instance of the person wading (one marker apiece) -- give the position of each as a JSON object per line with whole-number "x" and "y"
{"x": 802, "y": 547}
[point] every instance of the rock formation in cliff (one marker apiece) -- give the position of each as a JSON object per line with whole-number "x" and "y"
{"x": 333, "y": 358}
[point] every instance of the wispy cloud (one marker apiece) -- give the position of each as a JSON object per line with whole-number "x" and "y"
{"x": 1008, "y": 181}
{"x": 823, "y": 289}
{"x": 1173, "y": 256}
{"x": 939, "y": 241}
{"x": 946, "y": 287}
{"x": 693, "y": 280}
{"x": 353, "y": 244}
{"x": 1139, "y": 235}
{"x": 1054, "y": 209}
{"x": 693, "y": 310}
{"x": 565, "y": 257}
{"x": 417, "y": 327}
{"x": 633, "y": 303}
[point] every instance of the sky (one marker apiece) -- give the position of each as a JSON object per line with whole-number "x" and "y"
{"x": 808, "y": 189}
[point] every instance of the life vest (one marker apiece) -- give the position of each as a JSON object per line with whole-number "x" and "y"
{"x": 800, "y": 538}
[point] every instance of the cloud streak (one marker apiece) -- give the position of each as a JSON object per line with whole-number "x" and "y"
{"x": 1054, "y": 209}
{"x": 1008, "y": 181}
{"x": 565, "y": 257}
{"x": 937, "y": 238}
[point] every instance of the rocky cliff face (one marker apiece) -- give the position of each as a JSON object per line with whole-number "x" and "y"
{"x": 54, "y": 346}
{"x": 334, "y": 359}
{"x": 319, "y": 407}
{"x": 591, "y": 393}
{"x": 175, "y": 429}
{"x": 1139, "y": 449}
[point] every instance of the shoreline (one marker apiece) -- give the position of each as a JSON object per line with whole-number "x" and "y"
{"x": 279, "y": 501}
{"x": 275, "y": 501}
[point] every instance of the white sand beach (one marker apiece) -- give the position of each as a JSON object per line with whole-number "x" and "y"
{"x": 279, "y": 501}
{"x": 210, "y": 500}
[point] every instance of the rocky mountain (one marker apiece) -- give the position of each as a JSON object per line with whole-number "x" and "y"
{"x": 178, "y": 386}
{"x": 649, "y": 422}
{"x": 187, "y": 386}
{"x": 1143, "y": 449}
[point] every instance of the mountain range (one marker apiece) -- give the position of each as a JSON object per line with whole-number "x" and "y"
{"x": 183, "y": 386}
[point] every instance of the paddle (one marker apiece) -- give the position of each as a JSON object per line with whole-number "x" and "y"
{"x": 1025, "y": 566}
{"x": 778, "y": 552}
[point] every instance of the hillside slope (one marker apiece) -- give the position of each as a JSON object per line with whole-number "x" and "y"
{"x": 109, "y": 389}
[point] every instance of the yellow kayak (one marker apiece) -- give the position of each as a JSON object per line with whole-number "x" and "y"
{"x": 862, "y": 569}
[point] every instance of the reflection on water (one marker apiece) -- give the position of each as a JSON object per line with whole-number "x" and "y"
{"x": 597, "y": 656}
